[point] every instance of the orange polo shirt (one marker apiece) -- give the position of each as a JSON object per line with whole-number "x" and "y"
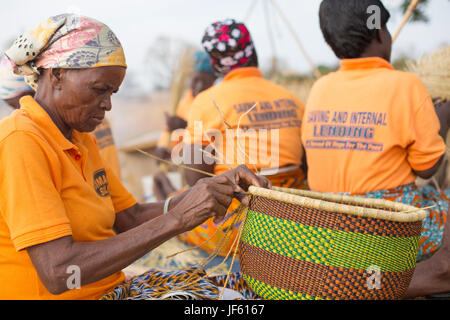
{"x": 183, "y": 108}
{"x": 107, "y": 147}
{"x": 51, "y": 187}
{"x": 367, "y": 127}
{"x": 270, "y": 132}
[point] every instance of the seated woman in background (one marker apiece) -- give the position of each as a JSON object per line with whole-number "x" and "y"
{"x": 371, "y": 130}
{"x": 12, "y": 86}
{"x": 268, "y": 116}
{"x": 67, "y": 225}
{"x": 203, "y": 78}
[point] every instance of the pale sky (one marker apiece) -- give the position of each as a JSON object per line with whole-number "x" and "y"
{"x": 137, "y": 23}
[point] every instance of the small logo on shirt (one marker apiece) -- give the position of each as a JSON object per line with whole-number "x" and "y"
{"x": 101, "y": 183}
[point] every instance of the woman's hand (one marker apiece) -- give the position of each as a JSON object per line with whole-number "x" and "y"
{"x": 162, "y": 153}
{"x": 175, "y": 122}
{"x": 211, "y": 197}
{"x": 442, "y": 108}
{"x": 242, "y": 177}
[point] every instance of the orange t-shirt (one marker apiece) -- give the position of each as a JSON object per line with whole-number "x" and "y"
{"x": 270, "y": 132}
{"x": 367, "y": 127}
{"x": 107, "y": 147}
{"x": 183, "y": 108}
{"x": 50, "y": 188}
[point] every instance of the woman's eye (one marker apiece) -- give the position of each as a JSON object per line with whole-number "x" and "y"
{"x": 100, "y": 90}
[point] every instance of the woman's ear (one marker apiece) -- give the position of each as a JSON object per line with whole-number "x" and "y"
{"x": 56, "y": 77}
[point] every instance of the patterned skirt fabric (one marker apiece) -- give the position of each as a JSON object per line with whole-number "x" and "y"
{"x": 426, "y": 196}
{"x": 187, "y": 284}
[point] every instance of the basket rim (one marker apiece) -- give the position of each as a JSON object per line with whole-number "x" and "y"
{"x": 327, "y": 202}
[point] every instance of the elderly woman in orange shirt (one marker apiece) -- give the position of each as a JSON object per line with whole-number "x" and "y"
{"x": 67, "y": 225}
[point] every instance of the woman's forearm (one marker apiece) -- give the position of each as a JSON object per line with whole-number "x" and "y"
{"x": 99, "y": 259}
{"x": 141, "y": 213}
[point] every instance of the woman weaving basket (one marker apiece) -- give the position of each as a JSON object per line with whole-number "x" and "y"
{"x": 371, "y": 130}
{"x": 64, "y": 215}
{"x": 243, "y": 102}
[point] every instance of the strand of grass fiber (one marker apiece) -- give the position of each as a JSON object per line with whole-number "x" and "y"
{"x": 417, "y": 209}
{"x": 234, "y": 246}
{"x": 239, "y": 138}
{"x": 197, "y": 246}
{"x": 241, "y": 210}
{"x": 209, "y": 154}
{"x": 206, "y": 261}
{"x": 314, "y": 68}
{"x": 187, "y": 282}
{"x": 250, "y": 11}
{"x": 220, "y": 227}
{"x": 189, "y": 168}
{"x": 222, "y": 242}
{"x": 225, "y": 124}
{"x": 202, "y": 244}
{"x": 228, "y": 126}
{"x": 175, "y": 164}
{"x": 213, "y": 255}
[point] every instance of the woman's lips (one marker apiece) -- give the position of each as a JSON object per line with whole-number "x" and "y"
{"x": 98, "y": 119}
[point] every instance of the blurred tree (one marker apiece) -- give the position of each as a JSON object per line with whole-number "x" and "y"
{"x": 162, "y": 59}
{"x": 326, "y": 69}
{"x": 419, "y": 14}
{"x": 400, "y": 63}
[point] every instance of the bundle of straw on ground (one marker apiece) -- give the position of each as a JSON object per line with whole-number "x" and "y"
{"x": 434, "y": 71}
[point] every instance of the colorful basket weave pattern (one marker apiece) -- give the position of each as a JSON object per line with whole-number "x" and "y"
{"x": 288, "y": 251}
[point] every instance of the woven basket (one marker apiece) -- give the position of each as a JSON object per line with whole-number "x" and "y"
{"x": 300, "y": 244}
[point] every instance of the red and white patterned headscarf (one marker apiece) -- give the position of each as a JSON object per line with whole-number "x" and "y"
{"x": 229, "y": 45}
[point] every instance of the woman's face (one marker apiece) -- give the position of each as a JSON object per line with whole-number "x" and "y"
{"x": 84, "y": 95}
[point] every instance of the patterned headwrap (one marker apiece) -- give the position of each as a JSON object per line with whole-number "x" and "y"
{"x": 67, "y": 41}
{"x": 202, "y": 62}
{"x": 229, "y": 45}
{"x": 11, "y": 85}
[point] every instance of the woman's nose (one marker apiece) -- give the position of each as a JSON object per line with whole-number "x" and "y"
{"x": 106, "y": 104}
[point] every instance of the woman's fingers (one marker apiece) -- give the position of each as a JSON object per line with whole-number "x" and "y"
{"x": 246, "y": 177}
{"x": 240, "y": 179}
{"x": 221, "y": 198}
{"x": 220, "y": 211}
{"x": 243, "y": 198}
{"x": 223, "y": 185}
{"x": 211, "y": 197}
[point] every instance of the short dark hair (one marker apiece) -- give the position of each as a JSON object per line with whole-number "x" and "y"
{"x": 344, "y": 25}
